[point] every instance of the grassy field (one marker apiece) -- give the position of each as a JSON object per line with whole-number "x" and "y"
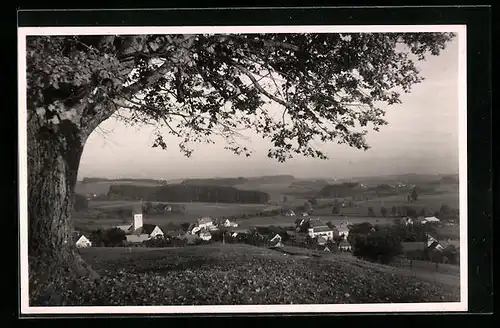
{"x": 243, "y": 274}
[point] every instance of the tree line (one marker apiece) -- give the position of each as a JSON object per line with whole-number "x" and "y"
{"x": 187, "y": 193}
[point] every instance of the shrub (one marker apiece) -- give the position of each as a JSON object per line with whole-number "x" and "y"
{"x": 378, "y": 246}
{"x": 80, "y": 203}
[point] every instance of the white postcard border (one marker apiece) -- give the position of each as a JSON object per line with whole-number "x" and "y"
{"x": 26, "y": 309}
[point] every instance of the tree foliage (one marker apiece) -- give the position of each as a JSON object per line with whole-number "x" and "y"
{"x": 330, "y": 87}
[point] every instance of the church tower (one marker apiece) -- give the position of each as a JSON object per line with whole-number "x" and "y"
{"x": 137, "y": 213}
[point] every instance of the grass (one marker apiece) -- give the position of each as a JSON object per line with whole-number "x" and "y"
{"x": 243, "y": 274}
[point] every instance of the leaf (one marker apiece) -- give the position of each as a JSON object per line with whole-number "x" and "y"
{"x": 40, "y": 111}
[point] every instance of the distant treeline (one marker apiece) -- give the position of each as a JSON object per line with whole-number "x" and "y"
{"x": 346, "y": 189}
{"x": 215, "y": 181}
{"x": 90, "y": 180}
{"x": 283, "y": 178}
{"x": 187, "y": 193}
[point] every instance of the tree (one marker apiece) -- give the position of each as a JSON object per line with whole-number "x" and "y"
{"x": 422, "y": 212}
{"x": 370, "y": 211}
{"x": 307, "y": 207}
{"x": 114, "y": 237}
{"x": 394, "y": 210}
{"x": 383, "y": 211}
{"x": 185, "y": 226}
{"x": 147, "y": 207}
{"x": 313, "y": 201}
{"x": 414, "y": 194}
{"x": 197, "y": 88}
{"x": 444, "y": 211}
{"x": 379, "y": 246}
{"x": 81, "y": 203}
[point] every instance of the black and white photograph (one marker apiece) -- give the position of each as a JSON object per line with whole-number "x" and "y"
{"x": 229, "y": 169}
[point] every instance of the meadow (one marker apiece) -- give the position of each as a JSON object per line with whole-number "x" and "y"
{"x": 243, "y": 274}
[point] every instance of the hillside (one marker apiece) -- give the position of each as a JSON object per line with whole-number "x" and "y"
{"x": 241, "y": 274}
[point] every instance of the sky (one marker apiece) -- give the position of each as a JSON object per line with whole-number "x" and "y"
{"x": 421, "y": 137}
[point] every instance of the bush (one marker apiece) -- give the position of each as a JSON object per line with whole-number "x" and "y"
{"x": 80, "y": 203}
{"x": 378, "y": 245}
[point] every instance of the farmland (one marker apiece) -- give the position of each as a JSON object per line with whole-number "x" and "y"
{"x": 96, "y": 216}
{"x": 242, "y": 274}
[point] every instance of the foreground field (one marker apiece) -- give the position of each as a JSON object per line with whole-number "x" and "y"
{"x": 241, "y": 274}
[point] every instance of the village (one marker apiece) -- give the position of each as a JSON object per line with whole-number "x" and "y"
{"x": 307, "y": 232}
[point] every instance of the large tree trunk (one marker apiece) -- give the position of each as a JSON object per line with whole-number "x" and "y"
{"x": 53, "y": 160}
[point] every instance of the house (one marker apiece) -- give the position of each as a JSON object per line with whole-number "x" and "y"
{"x": 406, "y": 220}
{"x": 277, "y": 244}
{"x": 83, "y": 242}
{"x": 205, "y": 235}
{"x": 326, "y": 249}
{"x": 137, "y": 239}
{"x": 430, "y": 219}
{"x": 345, "y": 246}
{"x": 238, "y": 231}
{"x": 229, "y": 224}
{"x": 319, "y": 228}
{"x": 290, "y": 213}
{"x": 321, "y": 240}
{"x": 194, "y": 230}
{"x": 152, "y": 230}
{"x": 205, "y": 222}
{"x": 125, "y": 228}
{"x": 276, "y": 238}
{"x": 305, "y": 214}
{"x": 433, "y": 243}
{"x": 343, "y": 231}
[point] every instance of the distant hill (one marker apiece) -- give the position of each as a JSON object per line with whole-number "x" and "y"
{"x": 408, "y": 178}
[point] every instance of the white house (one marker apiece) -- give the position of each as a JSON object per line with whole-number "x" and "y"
{"x": 343, "y": 230}
{"x": 276, "y": 238}
{"x": 228, "y": 224}
{"x": 195, "y": 230}
{"x": 407, "y": 221}
{"x": 318, "y": 228}
{"x": 290, "y": 213}
{"x": 431, "y": 219}
{"x": 205, "y": 235}
{"x": 305, "y": 214}
{"x": 83, "y": 242}
{"x": 205, "y": 222}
